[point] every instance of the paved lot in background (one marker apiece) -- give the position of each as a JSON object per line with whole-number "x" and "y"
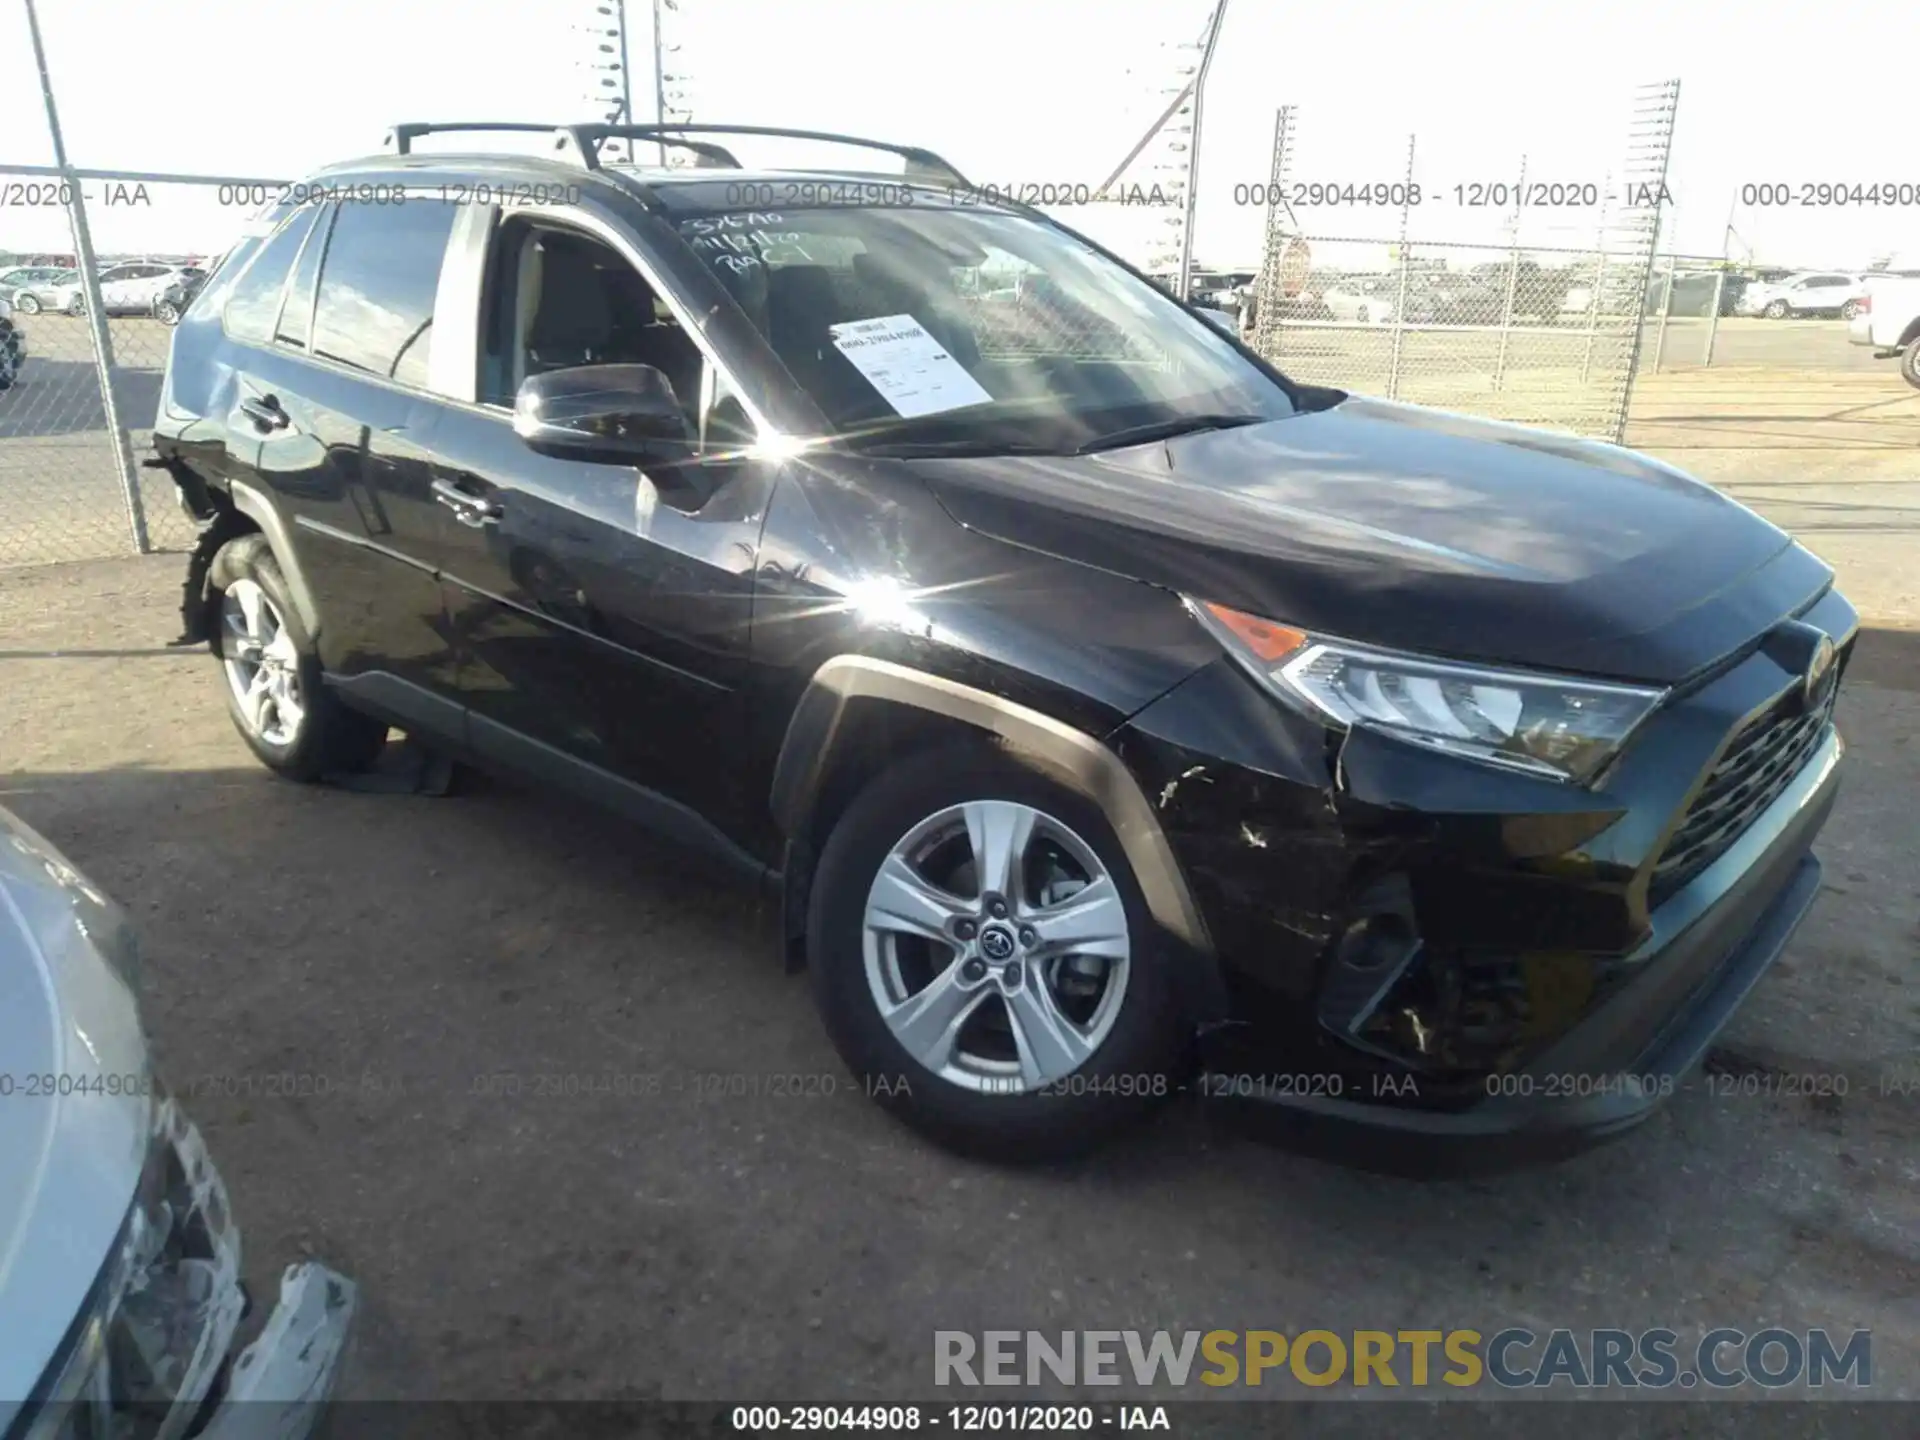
{"x": 420, "y": 959}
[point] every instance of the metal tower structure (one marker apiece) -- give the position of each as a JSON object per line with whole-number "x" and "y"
{"x": 610, "y": 83}
{"x": 1649, "y": 145}
{"x": 1173, "y": 143}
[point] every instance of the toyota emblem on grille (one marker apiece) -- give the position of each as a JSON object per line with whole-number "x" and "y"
{"x": 1819, "y": 672}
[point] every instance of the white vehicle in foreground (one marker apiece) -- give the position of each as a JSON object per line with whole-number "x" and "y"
{"x": 120, "y": 1294}
{"x": 1889, "y": 320}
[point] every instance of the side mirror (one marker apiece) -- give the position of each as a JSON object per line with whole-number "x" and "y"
{"x": 617, "y": 414}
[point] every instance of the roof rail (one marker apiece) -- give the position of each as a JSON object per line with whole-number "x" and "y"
{"x": 921, "y": 164}
{"x": 401, "y": 137}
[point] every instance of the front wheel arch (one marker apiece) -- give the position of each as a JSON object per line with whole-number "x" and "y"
{"x": 823, "y": 762}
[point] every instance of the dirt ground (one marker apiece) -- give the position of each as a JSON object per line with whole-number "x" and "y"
{"x": 431, "y": 972}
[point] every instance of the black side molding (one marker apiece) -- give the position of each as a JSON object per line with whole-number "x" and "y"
{"x": 494, "y": 746}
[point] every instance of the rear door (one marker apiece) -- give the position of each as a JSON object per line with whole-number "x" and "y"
{"x": 334, "y": 385}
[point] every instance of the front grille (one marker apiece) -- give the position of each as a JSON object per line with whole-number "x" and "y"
{"x": 1759, "y": 764}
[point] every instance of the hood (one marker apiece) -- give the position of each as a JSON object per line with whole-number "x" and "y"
{"x": 1417, "y": 529}
{"x": 69, "y": 1161}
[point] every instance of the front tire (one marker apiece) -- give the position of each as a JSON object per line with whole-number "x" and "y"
{"x": 985, "y": 963}
{"x": 26, "y": 304}
{"x": 271, "y": 673}
{"x": 1910, "y": 364}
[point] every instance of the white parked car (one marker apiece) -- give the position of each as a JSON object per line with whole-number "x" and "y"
{"x": 1812, "y": 292}
{"x": 1372, "y": 302}
{"x": 120, "y": 1288}
{"x": 1888, "y": 318}
{"x": 129, "y": 288}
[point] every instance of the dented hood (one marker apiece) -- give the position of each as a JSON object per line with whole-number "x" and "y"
{"x": 1417, "y": 529}
{"x": 73, "y": 1130}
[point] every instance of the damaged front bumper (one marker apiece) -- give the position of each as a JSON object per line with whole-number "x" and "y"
{"x": 1424, "y": 967}
{"x": 150, "y": 1357}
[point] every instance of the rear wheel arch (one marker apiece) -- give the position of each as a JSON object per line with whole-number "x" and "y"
{"x": 859, "y": 715}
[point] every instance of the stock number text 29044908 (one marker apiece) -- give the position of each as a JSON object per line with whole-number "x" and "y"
{"x": 1472, "y": 195}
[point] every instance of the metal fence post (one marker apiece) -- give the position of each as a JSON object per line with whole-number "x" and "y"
{"x": 1400, "y": 305}
{"x": 1666, "y": 309}
{"x": 1713, "y": 315}
{"x": 96, "y": 311}
{"x": 1599, "y": 280}
{"x": 1513, "y": 285}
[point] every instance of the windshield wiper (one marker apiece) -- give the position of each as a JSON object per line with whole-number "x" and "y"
{"x": 1166, "y": 430}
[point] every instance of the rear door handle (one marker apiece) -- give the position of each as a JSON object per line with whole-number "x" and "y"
{"x": 468, "y": 508}
{"x": 265, "y": 411}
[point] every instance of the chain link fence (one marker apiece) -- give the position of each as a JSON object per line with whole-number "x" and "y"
{"x": 1532, "y": 331}
{"x": 94, "y": 343}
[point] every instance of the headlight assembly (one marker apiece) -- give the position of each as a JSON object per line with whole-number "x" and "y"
{"x": 1550, "y": 725}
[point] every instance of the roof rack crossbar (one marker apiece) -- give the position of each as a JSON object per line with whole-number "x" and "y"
{"x": 922, "y": 164}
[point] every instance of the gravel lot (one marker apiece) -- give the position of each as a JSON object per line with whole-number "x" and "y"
{"x": 420, "y": 960}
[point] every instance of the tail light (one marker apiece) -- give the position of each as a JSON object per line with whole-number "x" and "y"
{"x": 1866, "y": 304}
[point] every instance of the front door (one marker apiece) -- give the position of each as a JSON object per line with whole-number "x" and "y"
{"x": 601, "y": 613}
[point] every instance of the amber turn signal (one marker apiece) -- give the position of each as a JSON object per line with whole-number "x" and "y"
{"x": 1268, "y": 641}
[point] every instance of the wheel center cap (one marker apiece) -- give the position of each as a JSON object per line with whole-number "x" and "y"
{"x": 996, "y": 943}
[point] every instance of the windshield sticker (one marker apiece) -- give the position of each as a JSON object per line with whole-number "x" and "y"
{"x": 912, "y": 371}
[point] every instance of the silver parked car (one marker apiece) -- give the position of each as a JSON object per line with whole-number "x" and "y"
{"x": 120, "y": 1292}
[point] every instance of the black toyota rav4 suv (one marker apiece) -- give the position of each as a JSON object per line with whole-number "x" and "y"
{"x": 1108, "y": 714}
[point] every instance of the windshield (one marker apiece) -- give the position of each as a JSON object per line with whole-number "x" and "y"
{"x": 973, "y": 327}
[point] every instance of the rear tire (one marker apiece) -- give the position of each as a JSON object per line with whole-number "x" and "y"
{"x": 1043, "y": 1050}
{"x": 77, "y": 306}
{"x": 166, "y": 312}
{"x": 1849, "y": 310}
{"x": 1910, "y": 364}
{"x": 270, "y": 673}
{"x": 1777, "y": 310}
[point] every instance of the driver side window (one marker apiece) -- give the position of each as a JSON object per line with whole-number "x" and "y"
{"x": 558, "y": 298}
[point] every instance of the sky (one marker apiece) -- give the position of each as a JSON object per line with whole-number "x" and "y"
{"x": 1020, "y": 92}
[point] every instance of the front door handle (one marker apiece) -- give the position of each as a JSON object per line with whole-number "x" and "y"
{"x": 468, "y": 508}
{"x": 265, "y": 411}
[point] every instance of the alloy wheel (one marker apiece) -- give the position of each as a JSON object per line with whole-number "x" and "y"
{"x": 26, "y": 304}
{"x": 996, "y": 946}
{"x": 262, "y": 666}
{"x": 165, "y": 313}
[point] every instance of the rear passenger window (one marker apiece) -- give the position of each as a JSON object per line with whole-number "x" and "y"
{"x": 298, "y": 311}
{"x": 377, "y": 286}
{"x": 255, "y": 303}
